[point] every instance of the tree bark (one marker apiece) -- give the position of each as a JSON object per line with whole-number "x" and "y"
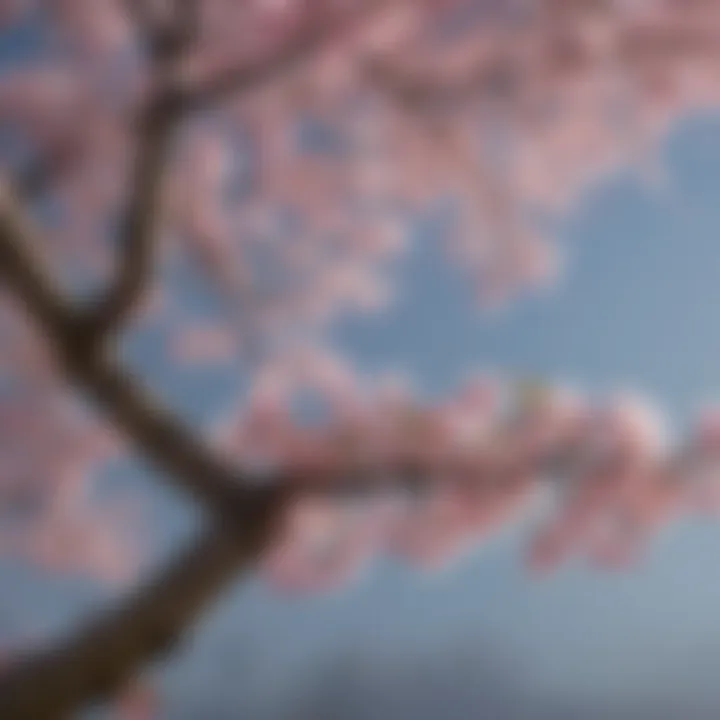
{"x": 94, "y": 663}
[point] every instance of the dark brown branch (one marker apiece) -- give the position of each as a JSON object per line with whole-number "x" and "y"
{"x": 182, "y": 458}
{"x": 95, "y": 663}
{"x": 139, "y": 224}
{"x": 173, "y": 448}
{"x": 22, "y": 269}
{"x": 140, "y": 221}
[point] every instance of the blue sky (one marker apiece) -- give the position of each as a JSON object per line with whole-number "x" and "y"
{"x": 636, "y": 305}
{"x": 482, "y": 639}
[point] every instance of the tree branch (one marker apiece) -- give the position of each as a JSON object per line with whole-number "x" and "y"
{"x": 139, "y": 223}
{"x": 172, "y": 447}
{"x": 306, "y": 44}
{"x": 186, "y": 463}
{"x": 22, "y": 269}
{"x": 96, "y": 662}
{"x": 138, "y": 229}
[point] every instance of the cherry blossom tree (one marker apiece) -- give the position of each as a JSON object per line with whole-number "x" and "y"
{"x": 234, "y": 177}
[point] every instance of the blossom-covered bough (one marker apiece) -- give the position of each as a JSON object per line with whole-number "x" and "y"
{"x": 236, "y": 175}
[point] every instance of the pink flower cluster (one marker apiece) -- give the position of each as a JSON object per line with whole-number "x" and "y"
{"x": 301, "y": 193}
{"x": 380, "y": 470}
{"x": 292, "y": 199}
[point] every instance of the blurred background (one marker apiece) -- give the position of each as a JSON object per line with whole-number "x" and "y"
{"x": 563, "y": 228}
